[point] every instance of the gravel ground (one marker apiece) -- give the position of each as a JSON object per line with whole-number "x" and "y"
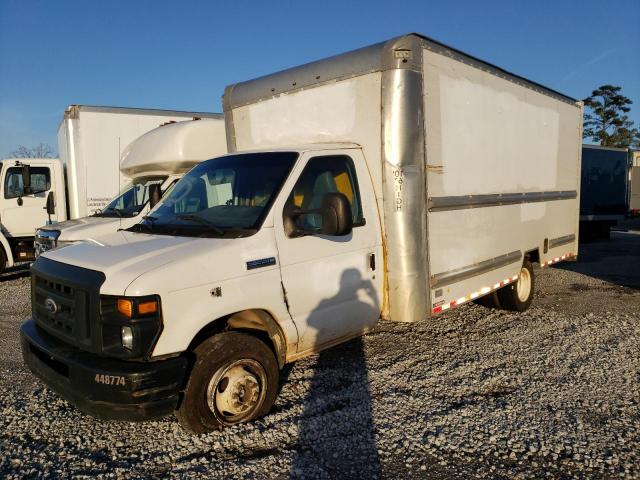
{"x": 474, "y": 393}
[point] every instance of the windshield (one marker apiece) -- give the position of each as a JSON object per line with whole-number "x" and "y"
{"x": 132, "y": 201}
{"x": 225, "y": 196}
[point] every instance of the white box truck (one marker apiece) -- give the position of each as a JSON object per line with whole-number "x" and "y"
{"x": 91, "y": 140}
{"x": 154, "y": 162}
{"x": 392, "y": 182}
{"x": 87, "y": 175}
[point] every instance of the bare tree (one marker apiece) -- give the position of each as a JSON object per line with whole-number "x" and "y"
{"x": 42, "y": 150}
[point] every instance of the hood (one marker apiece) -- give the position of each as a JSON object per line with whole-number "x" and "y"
{"x": 125, "y": 257}
{"x": 88, "y": 227}
{"x": 119, "y": 251}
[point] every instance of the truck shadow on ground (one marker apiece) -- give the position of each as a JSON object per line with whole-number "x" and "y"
{"x": 336, "y": 431}
{"x": 614, "y": 261}
{"x": 14, "y": 273}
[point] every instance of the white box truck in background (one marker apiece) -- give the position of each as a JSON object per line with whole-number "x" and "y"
{"x": 87, "y": 175}
{"x": 91, "y": 140}
{"x": 153, "y": 163}
{"x": 395, "y": 181}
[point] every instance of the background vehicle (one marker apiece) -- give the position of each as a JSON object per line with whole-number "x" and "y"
{"x": 159, "y": 157}
{"x": 395, "y": 181}
{"x": 87, "y": 175}
{"x": 634, "y": 180}
{"x": 604, "y": 190}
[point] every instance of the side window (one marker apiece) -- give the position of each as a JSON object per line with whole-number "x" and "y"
{"x": 322, "y": 175}
{"x": 40, "y": 181}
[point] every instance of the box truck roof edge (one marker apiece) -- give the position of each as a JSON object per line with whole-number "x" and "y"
{"x": 373, "y": 58}
{"x": 73, "y": 111}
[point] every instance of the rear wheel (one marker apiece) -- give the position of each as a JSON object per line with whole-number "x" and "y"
{"x": 518, "y": 296}
{"x": 234, "y": 380}
{"x": 490, "y": 300}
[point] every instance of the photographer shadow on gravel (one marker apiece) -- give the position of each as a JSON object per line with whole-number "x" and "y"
{"x": 336, "y": 430}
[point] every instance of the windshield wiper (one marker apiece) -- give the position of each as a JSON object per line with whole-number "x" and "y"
{"x": 150, "y": 221}
{"x": 202, "y": 221}
{"x": 103, "y": 213}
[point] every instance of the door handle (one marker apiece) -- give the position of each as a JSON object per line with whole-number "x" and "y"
{"x": 372, "y": 261}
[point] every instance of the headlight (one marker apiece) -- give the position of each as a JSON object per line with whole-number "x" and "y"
{"x": 130, "y": 326}
{"x": 127, "y": 337}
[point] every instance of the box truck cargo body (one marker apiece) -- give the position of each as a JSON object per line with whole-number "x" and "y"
{"x": 474, "y": 168}
{"x": 160, "y": 157}
{"x": 91, "y": 140}
{"x": 396, "y": 181}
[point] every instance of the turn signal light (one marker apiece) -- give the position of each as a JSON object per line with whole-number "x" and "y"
{"x": 145, "y": 308}
{"x": 125, "y": 307}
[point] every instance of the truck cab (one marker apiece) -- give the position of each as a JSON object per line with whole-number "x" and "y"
{"x": 154, "y": 162}
{"x": 25, "y": 186}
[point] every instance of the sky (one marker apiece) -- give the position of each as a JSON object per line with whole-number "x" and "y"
{"x": 181, "y": 55}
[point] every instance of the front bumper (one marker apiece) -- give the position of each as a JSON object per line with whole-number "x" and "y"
{"x": 105, "y": 388}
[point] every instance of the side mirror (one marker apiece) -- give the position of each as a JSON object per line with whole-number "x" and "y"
{"x": 335, "y": 214}
{"x": 26, "y": 179}
{"x": 155, "y": 194}
{"x": 337, "y": 219}
{"x": 51, "y": 203}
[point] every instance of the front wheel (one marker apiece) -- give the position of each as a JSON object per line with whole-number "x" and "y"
{"x": 518, "y": 296}
{"x": 234, "y": 380}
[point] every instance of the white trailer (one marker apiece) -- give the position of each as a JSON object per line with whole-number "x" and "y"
{"x": 91, "y": 140}
{"x": 158, "y": 158}
{"x": 394, "y": 182}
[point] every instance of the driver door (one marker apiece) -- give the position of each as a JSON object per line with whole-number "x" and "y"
{"x": 333, "y": 284}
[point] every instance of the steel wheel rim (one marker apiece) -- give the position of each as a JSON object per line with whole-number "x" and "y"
{"x": 236, "y": 391}
{"x": 523, "y": 287}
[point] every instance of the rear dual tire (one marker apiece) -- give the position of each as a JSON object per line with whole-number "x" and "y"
{"x": 518, "y": 296}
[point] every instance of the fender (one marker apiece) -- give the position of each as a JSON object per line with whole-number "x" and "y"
{"x": 7, "y": 249}
{"x": 262, "y": 321}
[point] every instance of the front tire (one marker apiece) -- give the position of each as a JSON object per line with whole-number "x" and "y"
{"x": 518, "y": 296}
{"x": 234, "y": 380}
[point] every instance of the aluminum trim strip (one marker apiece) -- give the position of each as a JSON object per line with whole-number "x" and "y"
{"x": 440, "y": 204}
{"x": 556, "y": 242}
{"x": 373, "y": 58}
{"x": 453, "y": 276}
{"x": 73, "y": 111}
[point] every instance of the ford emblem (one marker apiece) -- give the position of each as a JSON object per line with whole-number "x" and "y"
{"x": 50, "y": 305}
